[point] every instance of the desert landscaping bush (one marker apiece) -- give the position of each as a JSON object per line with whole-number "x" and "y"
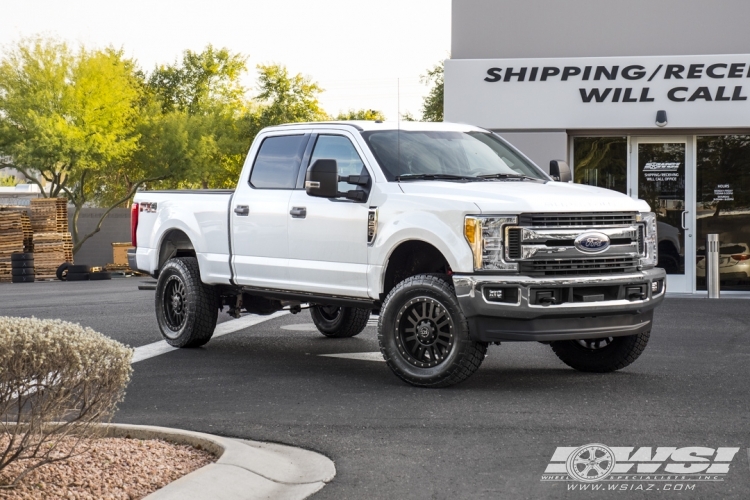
{"x": 58, "y": 381}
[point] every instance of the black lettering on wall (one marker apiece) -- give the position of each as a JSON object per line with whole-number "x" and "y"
{"x": 701, "y": 93}
{"x": 736, "y": 95}
{"x": 548, "y": 71}
{"x": 532, "y": 77}
{"x": 616, "y": 95}
{"x": 695, "y": 71}
{"x": 644, "y": 95}
{"x": 735, "y": 70}
{"x": 672, "y": 94}
{"x": 720, "y": 95}
{"x": 603, "y": 71}
{"x": 674, "y": 71}
{"x": 586, "y": 72}
{"x": 627, "y": 97}
{"x": 594, "y": 94}
{"x": 520, "y": 74}
{"x": 569, "y": 71}
{"x": 634, "y": 72}
{"x": 711, "y": 71}
{"x": 494, "y": 75}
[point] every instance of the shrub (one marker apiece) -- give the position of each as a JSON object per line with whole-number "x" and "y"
{"x": 57, "y": 379}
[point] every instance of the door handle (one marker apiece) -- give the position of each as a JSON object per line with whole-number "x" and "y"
{"x": 242, "y": 210}
{"x": 298, "y": 212}
{"x": 684, "y": 213}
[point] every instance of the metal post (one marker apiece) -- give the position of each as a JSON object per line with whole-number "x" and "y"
{"x": 712, "y": 266}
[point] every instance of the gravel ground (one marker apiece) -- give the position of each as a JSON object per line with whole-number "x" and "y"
{"x": 113, "y": 468}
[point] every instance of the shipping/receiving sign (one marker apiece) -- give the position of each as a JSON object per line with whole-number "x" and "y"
{"x": 708, "y": 91}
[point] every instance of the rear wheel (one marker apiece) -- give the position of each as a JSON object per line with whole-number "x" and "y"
{"x": 339, "y": 322}
{"x": 601, "y": 355}
{"x": 424, "y": 335}
{"x": 186, "y": 308}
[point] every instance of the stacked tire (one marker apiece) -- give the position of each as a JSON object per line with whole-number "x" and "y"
{"x": 78, "y": 273}
{"x": 70, "y": 272}
{"x": 22, "y": 267}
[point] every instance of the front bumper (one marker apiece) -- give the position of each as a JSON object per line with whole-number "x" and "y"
{"x": 579, "y": 307}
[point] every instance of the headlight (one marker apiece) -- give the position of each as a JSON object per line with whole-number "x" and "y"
{"x": 485, "y": 237}
{"x": 649, "y": 252}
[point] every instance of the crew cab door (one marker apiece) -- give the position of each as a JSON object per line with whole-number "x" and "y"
{"x": 259, "y": 211}
{"x": 328, "y": 237}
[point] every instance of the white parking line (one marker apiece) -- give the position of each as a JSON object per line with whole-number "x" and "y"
{"x": 360, "y": 356}
{"x": 158, "y": 348}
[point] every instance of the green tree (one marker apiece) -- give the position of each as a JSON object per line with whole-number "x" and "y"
{"x": 432, "y": 105}
{"x": 71, "y": 117}
{"x": 286, "y": 99}
{"x": 361, "y": 114}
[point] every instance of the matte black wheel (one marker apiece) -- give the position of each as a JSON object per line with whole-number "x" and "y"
{"x": 23, "y": 271}
{"x": 339, "y": 322}
{"x": 62, "y": 271}
{"x": 602, "y": 355}
{"x": 186, "y": 308}
{"x": 424, "y": 335}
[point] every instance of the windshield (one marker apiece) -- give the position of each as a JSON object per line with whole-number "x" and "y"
{"x": 403, "y": 154}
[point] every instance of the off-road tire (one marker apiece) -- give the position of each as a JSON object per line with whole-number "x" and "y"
{"x": 77, "y": 277}
{"x": 62, "y": 271}
{"x": 23, "y": 271}
{"x": 619, "y": 353}
{"x": 464, "y": 355}
{"x": 14, "y": 257}
{"x": 339, "y": 322}
{"x": 22, "y": 279}
{"x": 201, "y": 308}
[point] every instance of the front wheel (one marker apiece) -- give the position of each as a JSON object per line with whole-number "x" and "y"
{"x": 424, "y": 335}
{"x": 186, "y": 308}
{"x": 602, "y": 355}
{"x": 339, "y": 322}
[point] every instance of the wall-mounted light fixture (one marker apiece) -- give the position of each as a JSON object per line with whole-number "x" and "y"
{"x": 661, "y": 118}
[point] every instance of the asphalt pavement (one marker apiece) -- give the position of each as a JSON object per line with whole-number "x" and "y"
{"x": 489, "y": 437}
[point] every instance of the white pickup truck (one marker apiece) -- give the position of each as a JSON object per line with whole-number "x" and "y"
{"x": 452, "y": 236}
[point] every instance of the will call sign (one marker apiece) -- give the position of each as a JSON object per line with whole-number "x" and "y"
{"x": 613, "y": 82}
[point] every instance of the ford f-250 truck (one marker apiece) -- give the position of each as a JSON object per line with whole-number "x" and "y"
{"x": 454, "y": 237}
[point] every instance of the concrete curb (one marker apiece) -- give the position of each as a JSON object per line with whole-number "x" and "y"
{"x": 244, "y": 470}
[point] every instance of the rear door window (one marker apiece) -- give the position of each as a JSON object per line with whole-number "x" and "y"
{"x": 278, "y": 160}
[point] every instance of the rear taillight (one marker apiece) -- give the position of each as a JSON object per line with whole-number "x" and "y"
{"x": 134, "y": 224}
{"x": 741, "y": 256}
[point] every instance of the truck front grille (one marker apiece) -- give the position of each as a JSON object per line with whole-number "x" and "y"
{"x": 592, "y": 266}
{"x": 588, "y": 220}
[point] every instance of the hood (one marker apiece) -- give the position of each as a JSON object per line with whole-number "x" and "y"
{"x": 511, "y": 197}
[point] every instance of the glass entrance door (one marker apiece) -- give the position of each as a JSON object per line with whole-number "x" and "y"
{"x": 662, "y": 174}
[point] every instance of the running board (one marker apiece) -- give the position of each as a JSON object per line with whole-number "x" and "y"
{"x": 313, "y": 298}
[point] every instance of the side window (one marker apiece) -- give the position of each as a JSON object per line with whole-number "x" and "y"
{"x": 339, "y": 148}
{"x": 277, "y": 162}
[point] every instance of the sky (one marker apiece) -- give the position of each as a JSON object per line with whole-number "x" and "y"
{"x": 364, "y": 53}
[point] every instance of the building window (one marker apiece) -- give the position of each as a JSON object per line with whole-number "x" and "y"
{"x": 601, "y": 161}
{"x": 723, "y": 207}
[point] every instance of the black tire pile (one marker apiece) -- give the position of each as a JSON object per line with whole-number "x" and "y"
{"x": 22, "y": 267}
{"x": 72, "y": 272}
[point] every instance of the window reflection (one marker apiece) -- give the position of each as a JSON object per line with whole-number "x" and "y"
{"x": 601, "y": 161}
{"x": 723, "y": 207}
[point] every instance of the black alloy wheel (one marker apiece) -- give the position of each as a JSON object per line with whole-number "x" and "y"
{"x": 425, "y": 332}
{"x": 601, "y": 355}
{"x": 339, "y": 322}
{"x": 174, "y": 298}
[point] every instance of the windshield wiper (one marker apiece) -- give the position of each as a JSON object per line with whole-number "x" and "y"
{"x": 509, "y": 176}
{"x": 436, "y": 177}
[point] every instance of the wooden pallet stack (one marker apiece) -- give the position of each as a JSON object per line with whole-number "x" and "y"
{"x": 28, "y": 245}
{"x": 49, "y": 253}
{"x": 50, "y": 216}
{"x": 11, "y": 240}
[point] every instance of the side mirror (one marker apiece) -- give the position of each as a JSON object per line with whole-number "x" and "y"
{"x": 322, "y": 179}
{"x": 560, "y": 171}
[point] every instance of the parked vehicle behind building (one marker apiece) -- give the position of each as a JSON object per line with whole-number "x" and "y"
{"x": 454, "y": 237}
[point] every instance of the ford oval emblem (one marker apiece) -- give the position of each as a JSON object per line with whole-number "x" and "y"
{"x": 593, "y": 242}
